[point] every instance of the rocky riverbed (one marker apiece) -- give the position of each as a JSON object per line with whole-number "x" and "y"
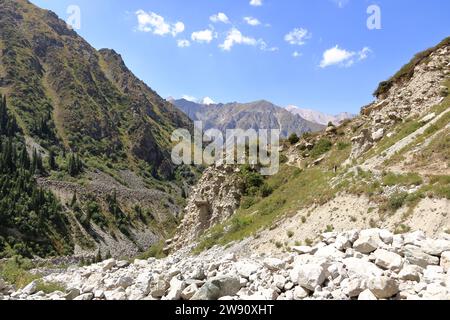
{"x": 365, "y": 265}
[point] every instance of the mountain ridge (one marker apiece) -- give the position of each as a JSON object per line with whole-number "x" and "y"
{"x": 261, "y": 114}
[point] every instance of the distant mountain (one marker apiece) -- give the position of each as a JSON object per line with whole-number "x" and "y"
{"x": 254, "y": 115}
{"x": 319, "y": 117}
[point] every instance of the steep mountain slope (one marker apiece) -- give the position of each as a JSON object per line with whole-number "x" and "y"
{"x": 105, "y": 131}
{"x": 319, "y": 117}
{"x": 255, "y": 115}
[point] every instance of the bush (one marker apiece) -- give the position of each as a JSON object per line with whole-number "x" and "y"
{"x": 293, "y": 139}
{"x": 397, "y": 200}
{"x": 321, "y": 147}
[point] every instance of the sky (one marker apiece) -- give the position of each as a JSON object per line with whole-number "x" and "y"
{"x": 327, "y": 55}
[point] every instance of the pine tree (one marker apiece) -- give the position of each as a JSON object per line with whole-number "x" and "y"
{"x": 52, "y": 161}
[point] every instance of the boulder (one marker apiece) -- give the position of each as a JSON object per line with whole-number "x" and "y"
{"x": 361, "y": 268}
{"x": 386, "y": 236}
{"x": 159, "y": 289}
{"x": 176, "y": 288}
{"x": 300, "y": 293}
{"x": 274, "y": 264}
{"x": 388, "y": 260}
{"x": 311, "y": 275}
{"x": 378, "y": 135}
{"x": 108, "y": 264}
{"x": 189, "y": 292}
{"x": 218, "y": 287}
{"x": 330, "y": 252}
{"x": 415, "y": 255}
{"x": 435, "y": 247}
{"x": 352, "y": 287}
{"x": 246, "y": 269}
{"x": 368, "y": 241}
{"x": 30, "y": 288}
{"x": 410, "y": 273}
{"x": 367, "y": 295}
{"x": 383, "y": 287}
{"x": 116, "y": 295}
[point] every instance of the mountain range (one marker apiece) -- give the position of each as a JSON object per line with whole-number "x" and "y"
{"x": 254, "y": 115}
{"x": 319, "y": 117}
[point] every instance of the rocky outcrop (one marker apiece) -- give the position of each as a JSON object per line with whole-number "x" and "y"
{"x": 214, "y": 199}
{"x": 365, "y": 265}
{"x": 405, "y": 99}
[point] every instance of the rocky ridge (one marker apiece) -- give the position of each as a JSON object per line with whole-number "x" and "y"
{"x": 371, "y": 264}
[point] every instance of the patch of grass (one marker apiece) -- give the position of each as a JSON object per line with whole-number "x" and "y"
{"x": 290, "y": 233}
{"x": 155, "y": 251}
{"x": 16, "y": 271}
{"x": 402, "y": 228}
{"x": 408, "y": 180}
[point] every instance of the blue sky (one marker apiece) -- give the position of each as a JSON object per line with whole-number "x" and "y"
{"x": 314, "y": 54}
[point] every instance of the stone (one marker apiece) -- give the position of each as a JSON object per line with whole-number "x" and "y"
{"x": 84, "y": 297}
{"x": 386, "y": 236}
{"x": 414, "y": 238}
{"x": 434, "y": 274}
{"x": 159, "y": 289}
{"x": 329, "y": 252}
{"x": 279, "y": 281}
{"x": 353, "y": 287}
{"x": 108, "y": 264}
{"x": 303, "y": 249}
{"x": 30, "y": 288}
{"x": 116, "y": 295}
{"x": 189, "y": 292}
{"x": 378, "y": 135}
{"x": 300, "y": 293}
{"x": 361, "y": 268}
{"x": 415, "y": 255}
{"x": 383, "y": 287}
{"x": 388, "y": 260}
{"x": 367, "y": 295}
{"x": 310, "y": 276}
{"x": 124, "y": 282}
{"x": 368, "y": 241}
{"x": 176, "y": 288}
{"x": 445, "y": 261}
{"x": 99, "y": 294}
{"x": 435, "y": 247}
{"x": 122, "y": 264}
{"x": 72, "y": 294}
{"x": 274, "y": 264}
{"x": 410, "y": 273}
{"x": 2, "y": 284}
{"x": 246, "y": 269}
{"x": 218, "y": 287}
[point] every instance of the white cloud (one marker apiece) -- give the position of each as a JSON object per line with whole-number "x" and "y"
{"x": 298, "y": 36}
{"x": 252, "y": 21}
{"x": 256, "y": 3}
{"x": 189, "y": 98}
{"x": 220, "y": 17}
{"x": 342, "y": 57}
{"x": 156, "y": 24}
{"x": 296, "y": 54}
{"x": 208, "y": 101}
{"x": 203, "y": 36}
{"x": 234, "y": 36}
{"x": 264, "y": 47}
{"x": 183, "y": 43}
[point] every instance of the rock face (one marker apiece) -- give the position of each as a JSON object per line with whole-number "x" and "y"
{"x": 214, "y": 199}
{"x": 393, "y": 270}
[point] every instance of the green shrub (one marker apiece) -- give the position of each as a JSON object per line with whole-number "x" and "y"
{"x": 293, "y": 139}
{"x": 321, "y": 147}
